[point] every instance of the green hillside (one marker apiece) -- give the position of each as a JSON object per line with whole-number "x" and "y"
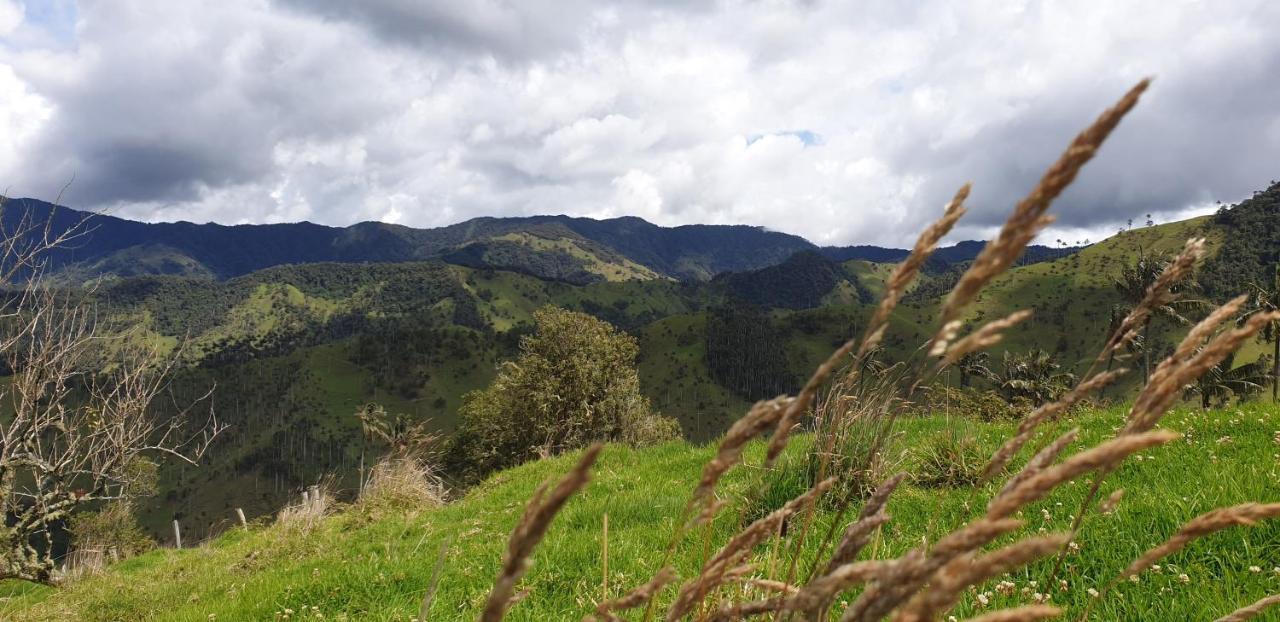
{"x": 1072, "y": 297}
{"x": 366, "y": 563}
{"x": 294, "y": 350}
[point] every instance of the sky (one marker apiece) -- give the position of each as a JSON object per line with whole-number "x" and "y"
{"x": 843, "y": 122}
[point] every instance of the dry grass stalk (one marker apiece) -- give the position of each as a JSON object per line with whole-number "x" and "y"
{"x": 1040, "y": 461}
{"x": 859, "y": 532}
{"x": 1027, "y": 613}
{"x": 424, "y": 609}
{"x": 638, "y": 597}
{"x": 895, "y": 287}
{"x": 948, "y": 583}
{"x": 727, "y": 611}
{"x": 530, "y": 530}
{"x": 761, "y": 416}
{"x": 1251, "y": 611}
{"x": 1158, "y": 295}
{"x": 988, "y": 335}
{"x": 402, "y": 482}
{"x": 818, "y": 593}
{"x": 312, "y": 509}
{"x": 1109, "y": 504}
{"x": 1172, "y": 375}
{"x": 1204, "y": 329}
{"x": 1246, "y": 514}
{"x": 1104, "y": 455}
{"x": 903, "y": 577}
{"x": 907, "y": 271}
{"x": 1028, "y": 218}
{"x": 1026, "y": 429}
{"x": 770, "y": 585}
{"x": 717, "y": 569}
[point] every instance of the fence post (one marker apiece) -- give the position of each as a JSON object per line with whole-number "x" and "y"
{"x": 240, "y": 515}
{"x": 177, "y": 534}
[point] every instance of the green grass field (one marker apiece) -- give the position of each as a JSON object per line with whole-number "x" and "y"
{"x": 364, "y": 565}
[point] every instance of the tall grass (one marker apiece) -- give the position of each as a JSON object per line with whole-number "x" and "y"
{"x": 851, "y": 404}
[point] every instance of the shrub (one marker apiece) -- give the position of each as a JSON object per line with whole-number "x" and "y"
{"x": 574, "y": 382}
{"x": 398, "y": 483}
{"x": 651, "y": 430}
{"x": 111, "y": 533}
{"x": 970, "y": 402}
{"x": 951, "y": 459}
{"x": 314, "y": 504}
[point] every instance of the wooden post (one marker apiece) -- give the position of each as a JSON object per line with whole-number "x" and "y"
{"x": 240, "y": 515}
{"x": 315, "y": 497}
{"x": 177, "y": 534}
{"x": 306, "y": 500}
{"x": 604, "y": 556}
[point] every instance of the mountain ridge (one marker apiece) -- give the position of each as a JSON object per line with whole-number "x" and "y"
{"x": 579, "y": 249}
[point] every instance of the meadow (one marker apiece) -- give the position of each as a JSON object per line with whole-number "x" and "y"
{"x": 369, "y": 563}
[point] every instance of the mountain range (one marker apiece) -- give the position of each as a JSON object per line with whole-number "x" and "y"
{"x": 575, "y": 250}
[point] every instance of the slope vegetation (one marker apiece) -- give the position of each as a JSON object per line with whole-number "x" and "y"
{"x": 372, "y": 563}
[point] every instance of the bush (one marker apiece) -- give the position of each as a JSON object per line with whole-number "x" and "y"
{"x": 652, "y": 430}
{"x": 970, "y": 402}
{"x": 110, "y": 533}
{"x": 401, "y": 483}
{"x": 952, "y": 459}
{"x": 574, "y": 382}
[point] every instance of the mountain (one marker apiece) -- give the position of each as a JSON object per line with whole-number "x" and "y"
{"x": 943, "y": 257}
{"x": 574, "y": 250}
{"x": 579, "y": 249}
{"x": 803, "y": 281}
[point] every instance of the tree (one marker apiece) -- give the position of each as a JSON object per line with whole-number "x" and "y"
{"x": 402, "y": 436}
{"x": 1132, "y": 285}
{"x": 1033, "y": 376}
{"x": 971, "y": 365}
{"x": 77, "y": 421}
{"x": 573, "y": 383}
{"x": 1217, "y": 386}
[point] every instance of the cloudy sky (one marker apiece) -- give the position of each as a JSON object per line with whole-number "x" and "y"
{"x": 844, "y": 122}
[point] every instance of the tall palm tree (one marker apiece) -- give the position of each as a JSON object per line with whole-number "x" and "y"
{"x": 1223, "y": 381}
{"x": 1132, "y": 285}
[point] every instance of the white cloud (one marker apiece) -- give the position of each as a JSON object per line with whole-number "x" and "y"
{"x": 430, "y": 113}
{"x": 11, "y": 16}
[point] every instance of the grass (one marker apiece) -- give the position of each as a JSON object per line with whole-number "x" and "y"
{"x": 367, "y": 567}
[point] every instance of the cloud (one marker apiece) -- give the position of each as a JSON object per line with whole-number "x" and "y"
{"x": 842, "y": 123}
{"x": 11, "y": 16}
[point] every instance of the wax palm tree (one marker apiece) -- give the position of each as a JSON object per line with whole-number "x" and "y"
{"x": 401, "y": 435}
{"x": 1132, "y": 285}
{"x": 1224, "y": 381}
{"x": 971, "y": 365}
{"x": 1034, "y": 376}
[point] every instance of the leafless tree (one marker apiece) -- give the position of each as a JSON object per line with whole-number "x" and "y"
{"x": 75, "y": 412}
